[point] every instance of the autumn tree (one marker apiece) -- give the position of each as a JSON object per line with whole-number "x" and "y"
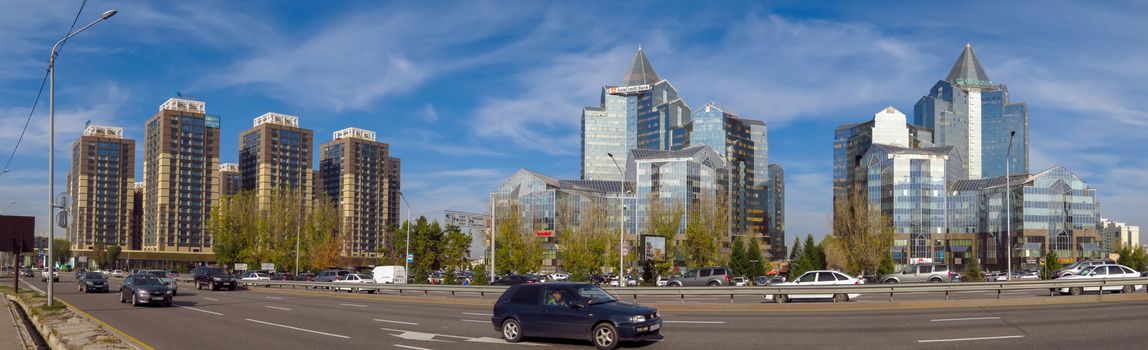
{"x": 708, "y": 223}
{"x": 756, "y": 260}
{"x": 865, "y": 235}
{"x": 517, "y": 252}
{"x": 583, "y": 247}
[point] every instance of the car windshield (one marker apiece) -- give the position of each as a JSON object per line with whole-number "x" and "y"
{"x": 215, "y": 272}
{"x": 148, "y": 281}
{"x": 160, "y": 274}
{"x": 1087, "y": 270}
{"x": 595, "y": 295}
{"x": 93, "y": 275}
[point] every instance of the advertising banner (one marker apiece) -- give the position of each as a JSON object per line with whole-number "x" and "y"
{"x": 654, "y": 248}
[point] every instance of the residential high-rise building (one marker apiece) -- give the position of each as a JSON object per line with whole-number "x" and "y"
{"x": 1117, "y": 234}
{"x": 229, "y": 178}
{"x": 181, "y": 158}
{"x": 362, "y": 179}
{"x": 137, "y": 215}
{"x": 100, "y": 183}
{"x": 644, "y": 110}
{"x": 275, "y": 154}
{"x": 968, "y": 111}
{"x": 776, "y": 207}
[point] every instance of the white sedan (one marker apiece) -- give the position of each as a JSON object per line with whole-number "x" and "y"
{"x": 559, "y": 276}
{"x": 818, "y": 278}
{"x": 1101, "y": 272}
{"x": 256, "y": 276}
{"x": 355, "y": 279}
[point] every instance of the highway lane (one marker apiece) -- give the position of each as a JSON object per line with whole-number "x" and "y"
{"x": 256, "y": 318}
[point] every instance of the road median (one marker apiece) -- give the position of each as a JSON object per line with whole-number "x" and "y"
{"x": 64, "y": 328}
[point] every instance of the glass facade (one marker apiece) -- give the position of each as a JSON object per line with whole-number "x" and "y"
{"x": 1000, "y": 118}
{"x": 909, "y": 187}
{"x": 689, "y": 179}
{"x": 606, "y": 130}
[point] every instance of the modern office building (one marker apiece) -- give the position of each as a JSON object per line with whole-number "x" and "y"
{"x": 359, "y": 175}
{"x": 691, "y": 180}
{"x": 229, "y": 178}
{"x": 549, "y": 208}
{"x": 181, "y": 158}
{"x": 743, "y": 145}
{"x": 100, "y": 182}
{"x": 1117, "y": 234}
{"x": 776, "y": 207}
{"x": 968, "y": 111}
{"x": 275, "y": 154}
{"x": 644, "y": 110}
{"x": 1053, "y": 210}
{"x": 908, "y": 186}
{"x": 852, "y": 141}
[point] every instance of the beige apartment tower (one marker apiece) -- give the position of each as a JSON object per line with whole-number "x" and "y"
{"x": 275, "y": 154}
{"x": 229, "y": 179}
{"x": 181, "y": 158}
{"x": 361, "y": 177}
{"x": 100, "y": 183}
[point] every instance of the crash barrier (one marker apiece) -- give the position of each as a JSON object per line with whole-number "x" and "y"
{"x": 636, "y": 293}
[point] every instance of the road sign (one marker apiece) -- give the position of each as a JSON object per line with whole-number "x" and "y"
{"x": 240, "y": 266}
{"x": 267, "y": 266}
{"x": 410, "y": 260}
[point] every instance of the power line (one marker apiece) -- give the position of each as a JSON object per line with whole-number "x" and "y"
{"x": 43, "y": 82}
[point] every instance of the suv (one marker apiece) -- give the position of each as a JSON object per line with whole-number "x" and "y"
{"x": 1079, "y": 265}
{"x": 212, "y": 278}
{"x": 916, "y": 273}
{"x": 330, "y": 275}
{"x": 706, "y": 276}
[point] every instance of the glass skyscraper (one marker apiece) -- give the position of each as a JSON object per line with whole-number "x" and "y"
{"x": 971, "y": 113}
{"x": 851, "y": 142}
{"x": 742, "y": 143}
{"x": 908, "y": 186}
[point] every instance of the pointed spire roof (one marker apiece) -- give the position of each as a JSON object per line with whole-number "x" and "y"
{"x": 640, "y": 71}
{"x": 967, "y": 70}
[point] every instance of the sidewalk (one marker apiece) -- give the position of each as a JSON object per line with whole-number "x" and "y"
{"x": 9, "y": 326}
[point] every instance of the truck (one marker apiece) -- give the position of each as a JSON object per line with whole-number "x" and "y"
{"x": 389, "y": 274}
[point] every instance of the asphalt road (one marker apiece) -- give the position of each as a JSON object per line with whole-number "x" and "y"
{"x": 286, "y": 319}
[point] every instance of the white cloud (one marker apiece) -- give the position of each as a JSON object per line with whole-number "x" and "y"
{"x": 430, "y": 115}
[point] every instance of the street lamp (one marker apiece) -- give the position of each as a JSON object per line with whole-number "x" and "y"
{"x": 52, "y": 141}
{"x": 6, "y": 208}
{"x": 622, "y": 229}
{"x": 406, "y": 257}
{"x": 1008, "y": 205}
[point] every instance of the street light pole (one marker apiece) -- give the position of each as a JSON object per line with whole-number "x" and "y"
{"x": 52, "y": 143}
{"x": 406, "y": 261}
{"x": 1008, "y": 205}
{"x": 622, "y": 229}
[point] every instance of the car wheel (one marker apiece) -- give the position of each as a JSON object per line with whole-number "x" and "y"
{"x": 175, "y": 292}
{"x": 935, "y": 280}
{"x": 890, "y": 281}
{"x": 840, "y": 298}
{"x": 605, "y": 336}
{"x": 122, "y": 297}
{"x": 714, "y": 284}
{"x": 231, "y": 288}
{"x": 512, "y": 331}
{"x": 676, "y": 284}
{"x": 1076, "y": 291}
{"x": 135, "y": 300}
{"x": 781, "y": 298}
{"x": 198, "y": 286}
{"x": 1128, "y": 289}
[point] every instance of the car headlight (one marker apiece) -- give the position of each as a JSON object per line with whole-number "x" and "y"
{"x": 142, "y": 292}
{"x": 168, "y": 292}
{"x": 638, "y": 319}
{"x": 88, "y": 282}
{"x": 216, "y": 279}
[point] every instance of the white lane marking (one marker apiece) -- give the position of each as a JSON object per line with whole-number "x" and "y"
{"x": 968, "y": 339}
{"x": 476, "y": 321}
{"x": 410, "y": 347}
{"x": 277, "y": 308}
{"x": 33, "y": 287}
{"x": 355, "y": 305}
{"x": 964, "y": 319}
{"x": 212, "y": 299}
{"x": 299, "y": 329}
{"x": 696, "y": 322}
{"x": 412, "y": 335}
{"x": 399, "y": 322}
{"x": 477, "y": 314}
{"x": 274, "y": 298}
{"x": 201, "y": 310}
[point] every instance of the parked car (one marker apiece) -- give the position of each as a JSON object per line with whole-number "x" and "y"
{"x": 118, "y": 273}
{"x": 819, "y": 278}
{"x": 305, "y": 276}
{"x": 92, "y": 281}
{"x": 573, "y": 311}
{"x": 513, "y": 280}
{"x": 997, "y": 277}
{"x": 163, "y": 277}
{"x": 1026, "y": 275}
{"x": 255, "y": 276}
{"x": 144, "y": 289}
{"x": 330, "y": 275}
{"x": 1076, "y": 267}
{"x": 1144, "y": 274}
{"x": 1101, "y": 272}
{"x": 212, "y": 278}
{"x": 706, "y": 276}
{"x": 354, "y": 279}
{"x": 28, "y": 273}
{"x": 661, "y": 281}
{"x": 558, "y": 276}
{"x": 739, "y": 281}
{"x": 55, "y": 276}
{"x": 919, "y": 273}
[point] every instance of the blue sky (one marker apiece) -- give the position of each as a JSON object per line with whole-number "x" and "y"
{"x": 468, "y": 92}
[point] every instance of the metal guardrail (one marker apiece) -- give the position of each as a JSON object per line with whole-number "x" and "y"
{"x": 683, "y": 292}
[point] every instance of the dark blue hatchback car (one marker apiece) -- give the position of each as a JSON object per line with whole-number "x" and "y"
{"x": 574, "y": 311}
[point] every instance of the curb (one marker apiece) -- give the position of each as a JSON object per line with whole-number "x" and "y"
{"x": 49, "y": 336}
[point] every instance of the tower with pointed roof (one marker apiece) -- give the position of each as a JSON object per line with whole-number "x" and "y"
{"x": 970, "y": 112}
{"x": 642, "y": 112}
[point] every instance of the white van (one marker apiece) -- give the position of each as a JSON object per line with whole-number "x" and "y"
{"x": 389, "y": 274}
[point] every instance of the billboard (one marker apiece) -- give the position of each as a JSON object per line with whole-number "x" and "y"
{"x": 464, "y": 219}
{"x": 17, "y": 232}
{"x": 211, "y": 121}
{"x": 654, "y": 248}
{"x": 545, "y": 233}
{"x": 628, "y": 90}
